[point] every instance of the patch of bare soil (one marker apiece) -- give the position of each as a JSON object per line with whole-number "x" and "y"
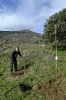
{"x": 53, "y": 90}
{"x": 10, "y": 77}
{"x": 15, "y": 74}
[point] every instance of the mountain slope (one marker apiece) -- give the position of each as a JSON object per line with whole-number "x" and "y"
{"x": 20, "y": 36}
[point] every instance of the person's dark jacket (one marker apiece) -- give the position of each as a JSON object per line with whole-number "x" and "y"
{"x": 14, "y": 55}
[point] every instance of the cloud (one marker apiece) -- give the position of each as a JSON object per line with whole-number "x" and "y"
{"x": 28, "y": 14}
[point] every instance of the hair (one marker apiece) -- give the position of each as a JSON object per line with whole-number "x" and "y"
{"x": 17, "y": 47}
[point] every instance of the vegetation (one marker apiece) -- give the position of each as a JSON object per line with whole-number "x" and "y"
{"x": 37, "y": 70}
{"x": 56, "y": 22}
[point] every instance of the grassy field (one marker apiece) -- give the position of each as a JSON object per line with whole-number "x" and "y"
{"x": 37, "y": 70}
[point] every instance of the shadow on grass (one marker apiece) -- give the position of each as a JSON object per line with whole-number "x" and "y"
{"x": 26, "y": 66}
{"x": 1, "y": 74}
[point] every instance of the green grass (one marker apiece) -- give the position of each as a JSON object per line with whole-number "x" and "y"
{"x": 40, "y": 70}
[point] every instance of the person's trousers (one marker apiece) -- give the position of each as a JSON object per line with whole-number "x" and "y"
{"x": 13, "y": 63}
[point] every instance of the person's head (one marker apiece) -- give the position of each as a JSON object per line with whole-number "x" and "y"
{"x": 17, "y": 49}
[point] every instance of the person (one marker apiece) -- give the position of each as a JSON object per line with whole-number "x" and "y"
{"x": 13, "y": 59}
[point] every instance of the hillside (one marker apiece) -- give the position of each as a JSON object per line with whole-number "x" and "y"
{"x": 37, "y": 69}
{"x": 25, "y": 36}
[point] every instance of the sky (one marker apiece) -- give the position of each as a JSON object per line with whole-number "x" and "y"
{"x": 27, "y": 14}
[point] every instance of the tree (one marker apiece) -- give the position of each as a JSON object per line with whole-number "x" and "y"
{"x": 58, "y": 19}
